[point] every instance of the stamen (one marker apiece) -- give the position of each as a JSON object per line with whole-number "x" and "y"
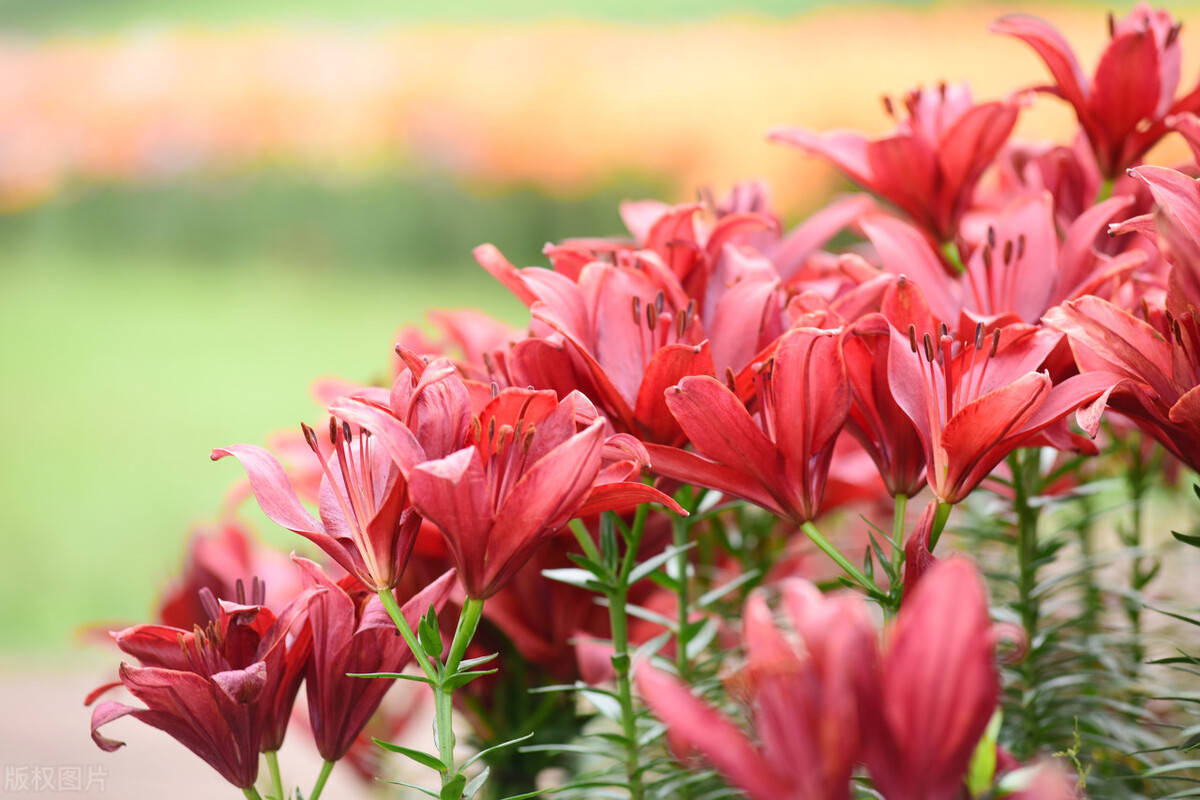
{"x": 731, "y": 380}
{"x": 912, "y": 337}
{"x": 637, "y": 310}
{"x": 978, "y": 335}
{"x": 239, "y": 591}
{"x": 991, "y": 236}
{"x": 310, "y": 436}
{"x": 929, "y": 356}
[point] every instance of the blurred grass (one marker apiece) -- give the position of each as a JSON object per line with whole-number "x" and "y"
{"x": 142, "y": 326}
{"x": 40, "y": 16}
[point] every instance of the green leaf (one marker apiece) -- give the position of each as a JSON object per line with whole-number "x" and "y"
{"x": 425, "y": 759}
{"x": 471, "y": 663}
{"x": 496, "y": 747}
{"x": 400, "y": 676}
{"x": 430, "y": 635}
{"x": 604, "y": 703}
{"x": 420, "y": 789}
{"x": 475, "y": 784}
{"x": 454, "y": 789}
{"x": 982, "y": 770}
{"x": 712, "y": 595}
{"x": 460, "y": 679}
{"x": 1194, "y": 541}
{"x": 649, "y": 565}
{"x": 572, "y": 576}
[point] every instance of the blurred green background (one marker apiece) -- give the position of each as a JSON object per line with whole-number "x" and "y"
{"x": 167, "y": 287}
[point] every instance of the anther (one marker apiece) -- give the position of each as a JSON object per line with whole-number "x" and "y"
{"x": 995, "y": 342}
{"x": 651, "y": 317}
{"x": 1020, "y": 246}
{"x": 1173, "y": 34}
{"x": 495, "y": 387}
{"x": 987, "y": 257}
{"x": 333, "y": 431}
{"x": 991, "y": 236}
{"x": 1008, "y": 252}
{"x": 637, "y": 311}
{"x": 888, "y": 108}
{"x": 239, "y": 591}
{"x": 1112, "y": 26}
{"x": 912, "y": 337}
{"x": 659, "y": 301}
{"x": 978, "y": 335}
{"x": 346, "y": 431}
{"x": 928, "y": 348}
{"x": 731, "y": 380}
{"x": 310, "y": 436}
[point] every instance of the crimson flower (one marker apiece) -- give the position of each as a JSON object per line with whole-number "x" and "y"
{"x": 779, "y": 456}
{"x": 1123, "y": 109}
{"x": 1156, "y": 372}
{"x": 1020, "y": 269}
{"x": 524, "y": 466}
{"x": 218, "y": 560}
{"x": 367, "y": 525}
{"x": 929, "y": 166}
{"x": 938, "y": 687}
{"x": 974, "y": 402}
{"x": 620, "y": 333}
{"x": 806, "y": 702}
{"x": 224, "y": 691}
{"x": 352, "y": 633}
{"x": 876, "y": 421}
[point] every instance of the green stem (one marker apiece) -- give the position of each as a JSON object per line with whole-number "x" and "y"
{"x": 276, "y": 778}
{"x": 899, "y": 509}
{"x": 443, "y": 697}
{"x": 680, "y": 529}
{"x": 1106, "y": 189}
{"x": 393, "y": 609}
{"x": 828, "y": 549}
{"x": 319, "y": 786}
{"x": 251, "y": 793}
{"x": 1025, "y": 487}
{"x": 618, "y": 596}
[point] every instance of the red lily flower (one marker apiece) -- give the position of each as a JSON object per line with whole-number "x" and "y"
{"x": 1019, "y": 270}
{"x": 929, "y": 167}
{"x": 225, "y": 691}
{"x": 521, "y": 469}
{"x": 1155, "y": 373}
{"x": 876, "y": 421}
{"x": 218, "y": 560}
{"x": 352, "y": 633}
{"x": 1177, "y": 228}
{"x": 780, "y": 461}
{"x": 938, "y": 687}
{"x": 629, "y": 333}
{"x": 975, "y": 402}
{"x": 806, "y": 702}
{"x": 1123, "y": 109}
{"x": 367, "y": 525}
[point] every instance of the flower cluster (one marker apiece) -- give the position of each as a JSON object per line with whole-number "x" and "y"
{"x": 1000, "y": 300}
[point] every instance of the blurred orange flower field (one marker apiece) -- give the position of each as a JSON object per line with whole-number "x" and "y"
{"x": 574, "y": 100}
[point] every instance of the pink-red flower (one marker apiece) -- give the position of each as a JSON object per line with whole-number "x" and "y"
{"x": 224, "y": 691}
{"x": 778, "y": 456}
{"x": 938, "y": 687}
{"x": 500, "y": 484}
{"x": 929, "y": 166}
{"x": 806, "y": 701}
{"x": 352, "y": 633}
{"x": 824, "y": 697}
{"x": 973, "y": 402}
{"x": 1124, "y": 107}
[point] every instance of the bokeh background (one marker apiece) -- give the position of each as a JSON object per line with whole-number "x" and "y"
{"x": 204, "y": 206}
